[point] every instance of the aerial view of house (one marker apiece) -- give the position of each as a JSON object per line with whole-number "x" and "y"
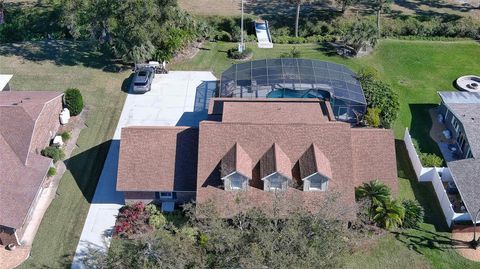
{"x": 28, "y": 120}
{"x": 258, "y": 147}
{"x": 239, "y": 134}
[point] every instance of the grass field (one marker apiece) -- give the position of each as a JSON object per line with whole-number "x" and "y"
{"x": 57, "y": 66}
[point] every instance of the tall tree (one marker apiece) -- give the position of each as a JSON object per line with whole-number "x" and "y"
{"x": 298, "y": 4}
{"x": 379, "y": 6}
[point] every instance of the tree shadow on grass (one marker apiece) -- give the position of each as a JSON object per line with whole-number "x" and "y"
{"x": 282, "y": 14}
{"x": 63, "y": 52}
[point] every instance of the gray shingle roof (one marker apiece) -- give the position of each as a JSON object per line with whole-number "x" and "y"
{"x": 466, "y": 108}
{"x": 466, "y": 174}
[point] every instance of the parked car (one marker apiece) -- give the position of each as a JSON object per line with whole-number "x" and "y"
{"x": 142, "y": 80}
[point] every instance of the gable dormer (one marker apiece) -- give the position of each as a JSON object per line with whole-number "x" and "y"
{"x": 315, "y": 170}
{"x": 275, "y": 169}
{"x": 236, "y": 169}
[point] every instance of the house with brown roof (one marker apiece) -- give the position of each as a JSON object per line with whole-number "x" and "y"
{"x": 256, "y": 149}
{"x": 28, "y": 121}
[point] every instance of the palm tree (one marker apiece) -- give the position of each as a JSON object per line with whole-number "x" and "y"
{"x": 360, "y": 35}
{"x": 299, "y": 3}
{"x": 379, "y": 6}
{"x": 389, "y": 214}
{"x": 375, "y": 192}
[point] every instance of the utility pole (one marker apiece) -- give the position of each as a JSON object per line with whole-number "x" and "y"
{"x": 241, "y": 46}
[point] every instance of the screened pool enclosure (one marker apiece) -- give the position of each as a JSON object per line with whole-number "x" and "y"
{"x": 297, "y": 78}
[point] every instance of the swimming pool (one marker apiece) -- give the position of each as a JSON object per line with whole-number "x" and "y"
{"x": 289, "y": 93}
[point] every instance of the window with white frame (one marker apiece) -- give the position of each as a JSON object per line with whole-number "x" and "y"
{"x": 236, "y": 182}
{"x": 318, "y": 183}
{"x": 275, "y": 182}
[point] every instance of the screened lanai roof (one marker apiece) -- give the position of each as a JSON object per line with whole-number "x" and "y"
{"x": 291, "y": 73}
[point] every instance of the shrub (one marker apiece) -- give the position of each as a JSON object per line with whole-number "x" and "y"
{"x": 55, "y": 153}
{"x": 294, "y": 53}
{"x": 373, "y": 117}
{"x": 65, "y": 136}
{"x": 223, "y": 36}
{"x": 414, "y": 214}
{"x": 157, "y": 221}
{"x": 430, "y": 160}
{"x": 131, "y": 220}
{"x": 74, "y": 101}
{"x": 234, "y": 54}
{"x": 51, "y": 171}
{"x": 380, "y": 95}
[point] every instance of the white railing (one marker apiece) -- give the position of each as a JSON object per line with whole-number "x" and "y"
{"x": 431, "y": 174}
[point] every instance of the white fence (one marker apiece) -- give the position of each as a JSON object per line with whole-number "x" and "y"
{"x": 432, "y": 174}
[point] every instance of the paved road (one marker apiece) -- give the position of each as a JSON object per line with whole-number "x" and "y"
{"x": 178, "y": 98}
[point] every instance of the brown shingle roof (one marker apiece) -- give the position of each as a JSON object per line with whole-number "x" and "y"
{"x": 340, "y": 144}
{"x": 314, "y": 161}
{"x": 21, "y": 170}
{"x": 236, "y": 160}
{"x": 275, "y": 160}
{"x": 157, "y": 159}
{"x": 281, "y": 112}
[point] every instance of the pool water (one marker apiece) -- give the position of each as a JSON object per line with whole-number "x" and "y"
{"x": 288, "y": 93}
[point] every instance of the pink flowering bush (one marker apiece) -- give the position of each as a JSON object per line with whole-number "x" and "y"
{"x": 132, "y": 220}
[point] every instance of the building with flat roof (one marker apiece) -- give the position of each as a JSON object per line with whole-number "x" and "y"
{"x": 257, "y": 148}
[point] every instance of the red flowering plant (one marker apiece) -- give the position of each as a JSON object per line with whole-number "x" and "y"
{"x": 132, "y": 220}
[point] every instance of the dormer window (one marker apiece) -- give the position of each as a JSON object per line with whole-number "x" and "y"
{"x": 316, "y": 183}
{"x": 275, "y": 169}
{"x": 275, "y": 182}
{"x": 236, "y": 169}
{"x": 315, "y": 169}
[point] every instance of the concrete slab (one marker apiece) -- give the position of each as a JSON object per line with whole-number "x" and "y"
{"x": 173, "y": 100}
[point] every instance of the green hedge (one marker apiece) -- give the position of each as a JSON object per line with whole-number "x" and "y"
{"x": 55, "y": 153}
{"x": 74, "y": 101}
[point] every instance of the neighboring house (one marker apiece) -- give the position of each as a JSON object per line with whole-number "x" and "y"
{"x": 4, "y": 82}
{"x": 461, "y": 115}
{"x": 257, "y": 148}
{"x": 28, "y": 121}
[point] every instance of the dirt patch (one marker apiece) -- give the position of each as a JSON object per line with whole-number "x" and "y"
{"x": 462, "y": 237}
{"x": 187, "y": 53}
{"x": 212, "y": 7}
{"x": 13, "y": 258}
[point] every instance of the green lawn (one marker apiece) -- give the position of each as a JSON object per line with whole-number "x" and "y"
{"x": 416, "y": 70}
{"x": 57, "y": 67}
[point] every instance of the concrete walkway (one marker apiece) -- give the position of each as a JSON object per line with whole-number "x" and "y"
{"x": 177, "y": 98}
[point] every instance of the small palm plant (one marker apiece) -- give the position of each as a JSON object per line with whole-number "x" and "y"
{"x": 389, "y": 214}
{"x": 375, "y": 192}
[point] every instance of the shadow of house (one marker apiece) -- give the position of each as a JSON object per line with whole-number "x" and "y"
{"x": 420, "y": 127}
{"x": 204, "y": 92}
{"x": 423, "y": 191}
{"x": 185, "y": 171}
{"x": 86, "y": 167}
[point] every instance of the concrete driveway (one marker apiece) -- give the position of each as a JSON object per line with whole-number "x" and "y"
{"x": 177, "y": 98}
